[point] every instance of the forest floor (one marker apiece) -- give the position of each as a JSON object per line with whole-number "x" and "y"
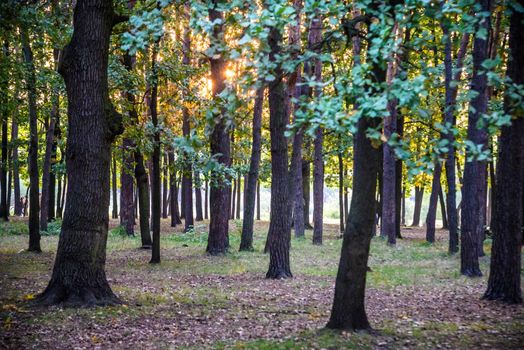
{"x": 416, "y": 298}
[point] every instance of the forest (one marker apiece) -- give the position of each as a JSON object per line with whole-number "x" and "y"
{"x": 268, "y": 174}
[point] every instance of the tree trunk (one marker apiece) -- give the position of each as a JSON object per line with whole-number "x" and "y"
{"x": 508, "y": 220}
{"x": 348, "y": 311}
{"x": 156, "y": 199}
{"x": 258, "y": 200}
{"x": 403, "y": 213}
{"x": 198, "y": 197}
{"x": 474, "y": 189}
{"x": 16, "y": 174}
{"x": 127, "y": 216}
{"x": 246, "y": 241}
{"x": 433, "y": 201}
{"x": 220, "y": 147}
{"x": 279, "y": 234}
{"x": 398, "y": 179}
{"x": 206, "y": 196}
{"x": 4, "y": 86}
{"x": 341, "y": 190}
{"x": 419, "y": 195}
{"x": 239, "y": 181}
{"x": 173, "y": 191}
{"x": 142, "y": 184}
{"x": 233, "y": 200}
{"x": 34, "y": 205}
{"x": 306, "y": 190}
{"x": 443, "y": 208}
{"x": 450, "y": 119}
{"x": 164, "y": 187}
{"x": 78, "y": 277}
{"x": 114, "y": 189}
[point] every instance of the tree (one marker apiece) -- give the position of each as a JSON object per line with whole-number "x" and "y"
{"x": 34, "y": 205}
{"x": 78, "y": 277}
{"x": 279, "y": 233}
{"x": 474, "y": 188}
{"x": 219, "y": 196}
{"x": 156, "y": 199}
{"x": 505, "y": 268}
{"x": 4, "y": 208}
{"x": 246, "y": 241}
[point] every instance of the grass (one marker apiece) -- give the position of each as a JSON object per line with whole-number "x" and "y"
{"x": 192, "y": 300}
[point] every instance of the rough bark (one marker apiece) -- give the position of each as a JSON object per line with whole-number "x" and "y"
{"x": 78, "y": 277}
{"x": 4, "y": 84}
{"x": 34, "y": 205}
{"x": 173, "y": 191}
{"x": 220, "y": 147}
{"x": 142, "y": 184}
{"x": 508, "y": 220}
{"x": 474, "y": 188}
{"x": 127, "y": 216}
{"x": 246, "y": 241}
{"x": 341, "y": 190}
{"x": 279, "y": 234}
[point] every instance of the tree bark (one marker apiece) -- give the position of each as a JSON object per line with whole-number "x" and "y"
{"x": 220, "y": 148}
{"x": 127, "y": 216}
{"x": 450, "y": 82}
{"x": 306, "y": 190}
{"x": 173, "y": 191}
{"x": 164, "y": 187}
{"x": 16, "y": 174}
{"x": 258, "y": 200}
{"x": 419, "y": 195}
{"x": 246, "y": 241}
{"x": 198, "y": 197}
{"x": 239, "y": 181}
{"x": 508, "y": 220}
{"x": 114, "y": 188}
{"x": 433, "y": 201}
{"x": 34, "y": 205}
{"x": 156, "y": 199}
{"x": 341, "y": 190}
{"x": 443, "y": 208}
{"x": 474, "y": 188}
{"x": 4, "y": 85}
{"x": 279, "y": 234}
{"x": 78, "y": 277}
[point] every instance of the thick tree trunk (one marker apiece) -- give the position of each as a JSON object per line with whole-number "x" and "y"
{"x": 474, "y": 189}
{"x": 114, "y": 189}
{"x": 156, "y": 199}
{"x": 279, "y": 234}
{"x": 34, "y": 205}
{"x": 433, "y": 201}
{"x": 78, "y": 277}
{"x": 348, "y": 311}
{"x": 318, "y": 187}
{"x": 220, "y": 147}
{"x": 508, "y": 220}
{"x": 246, "y": 241}
{"x": 419, "y": 196}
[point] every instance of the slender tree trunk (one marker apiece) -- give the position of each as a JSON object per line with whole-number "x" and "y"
{"x": 258, "y": 200}
{"x": 246, "y": 241}
{"x": 403, "y": 214}
{"x": 239, "y": 180}
{"x": 220, "y": 146}
{"x": 341, "y": 190}
{"x": 114, "y": 189}
{"x": 419, "y": 195}
{"x": 16, "y": 174}
{"x": 443, "y": 208}
{"x": 504, "y": 281}
{"x": 34, "y": 205}
{"x": 279, "y": 234}
{"x": 164, "y": 187}
{"x": 306, "y": 190}
{"x": 198, "y": 197}
{"x": 173, "y": 191}
{"x": 206, "y": 196}
{"x": 78, "y": 277}
{"x": 156, "y": 199}
{"x": 398, "y": 180}
{"x": 474, "y": 189}
{"x": 4, "y": 85}
{"x": 433, "y": 201}
{"x": 127, "y": 216}
{"x": 233, "y": 200}
{"x": 450, "y": 119}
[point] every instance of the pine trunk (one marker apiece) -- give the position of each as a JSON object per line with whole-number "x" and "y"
{"x": 419, "y": 196}
{"x": 433, "y": 202}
